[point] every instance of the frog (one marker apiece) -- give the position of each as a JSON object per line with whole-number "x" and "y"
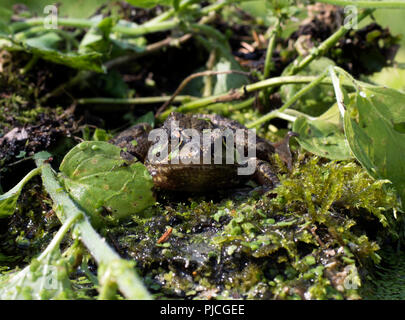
{"x": 202, "y": 175}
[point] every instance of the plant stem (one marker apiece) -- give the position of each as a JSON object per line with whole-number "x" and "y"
{"x": 30, "y": 64}
{"x": 217, "y": 6}
{"x": 296, "y": 114}
{"x": 80, "y": 76}
{"x": 338, "y": 92}
{"x": 289, "y": 103}
{"x": 200, "y": 103}
{"x": 191, "y": 77}
{"x": 239, "y": 93}
{"x": 141, "y": 100}
{"x": 268, "y": 64}
{"x": 83, "y": 23}
{"x": 128, "y": 282}
{"x": 57, "y": 239}
{"x": 208, "y": 81}
{"x": 284, "y": 116}
{"x": 386, "y": 4}
{"x": 141, "y": 30}
{"x": 210, "y": 32}
{"x": 226, "y": 108}
{"x": 277, "y": 81}
{"x": 326, "y": 45}
{"x": 169, "y": 13}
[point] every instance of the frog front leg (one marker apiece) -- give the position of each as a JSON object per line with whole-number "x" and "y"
{"x": 264, "y": 174}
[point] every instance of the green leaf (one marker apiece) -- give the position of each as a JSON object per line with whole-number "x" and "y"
{"x": 97, "y": 38}
{"x": 176, "y": 4}
{"x": 101, "y": 39}
{"x": 66, "y": 209}
{"x": 226, "y": 82}
{"x": 46, "y": 278}
{"x": 8, "y": 200}
{"x": 99, "y": 180}
{"x": 112, "y": 84}
{"x": 89, "y": 61}
{"x": 148, "y": 117}
{"x": 373, "y": 123}
{"x": 4, "y": 258}
{"x": 48, "y": 41}
{"x": 5, "y": 16}
{"x": 101, "y": 135}
{"x": 149, "y": 3}
{"x": 324, "y": 135}
{"x": 319, "y": 99}
{"x": 46, "y": 47}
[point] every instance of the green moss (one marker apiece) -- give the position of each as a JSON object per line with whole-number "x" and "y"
{"x": 309, "y": 238}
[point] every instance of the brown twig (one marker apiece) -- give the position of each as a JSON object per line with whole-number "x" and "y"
{"x": 193, "y": 76}
{"x": 165, "y": 236}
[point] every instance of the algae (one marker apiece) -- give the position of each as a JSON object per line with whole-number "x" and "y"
{"x": 309, "y": 238}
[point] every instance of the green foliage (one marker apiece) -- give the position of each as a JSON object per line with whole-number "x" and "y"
{"x": 309, "y": 238}
{"x": 226, "y": 82}
{"x": 321, "y": 186}
{"x": 319, "y": 99}
{"x": 66, "y": 210}
{"x": 306, "y": 239}
{"x": 101, "y": 135}
{"x": 46, "y": 47}
{"x": 99, "y": 43}
{"x": 98, "y": 179}
{"x": 150, "y": 3}
{"x": 46, "y": 278}
{"x": 324, "y": 135}
{"x": 102, "y": 39}
{"x": 8, "y": 200}
{"x": 5, "y": 15}
{"x": 148, "y": 118}
{"x": 373, "y": 125}
{"x": 97, "y": 38}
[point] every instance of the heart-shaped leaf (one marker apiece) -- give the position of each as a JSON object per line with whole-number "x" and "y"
{"x": 100, "y": 181}
{"x": 373, "y": 123}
